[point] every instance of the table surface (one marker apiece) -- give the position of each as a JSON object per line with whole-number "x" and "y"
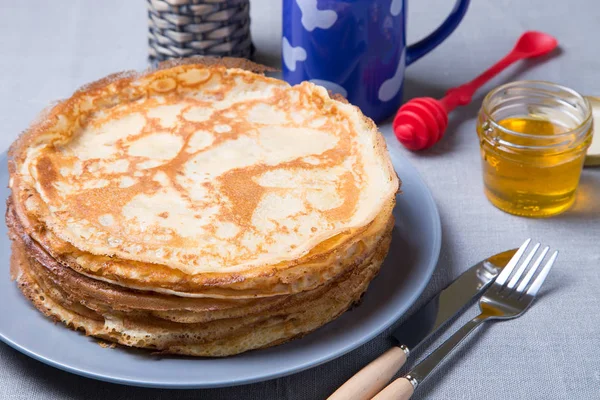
{"x": 49, "y": 48}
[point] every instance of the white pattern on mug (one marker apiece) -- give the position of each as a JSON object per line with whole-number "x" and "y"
{"x": 396, "y": 7}
{"x": 291, "y": 55}
{"x": 313, "y": 18}
{"x": 390, "y": 87}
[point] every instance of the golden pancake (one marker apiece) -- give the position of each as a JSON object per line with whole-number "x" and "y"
{"x": 199, "y": 209}
{"x": 202, "y": 169}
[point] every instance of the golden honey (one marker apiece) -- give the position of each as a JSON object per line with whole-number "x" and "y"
{"x": 533, "y": 138}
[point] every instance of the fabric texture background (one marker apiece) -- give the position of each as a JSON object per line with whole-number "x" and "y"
{"x": 49, "y": 48}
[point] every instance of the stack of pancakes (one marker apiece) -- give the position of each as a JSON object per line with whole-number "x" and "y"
{"x": 199, "y": 209}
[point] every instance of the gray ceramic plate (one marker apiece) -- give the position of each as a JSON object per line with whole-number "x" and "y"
{"x": 407, "y": 269}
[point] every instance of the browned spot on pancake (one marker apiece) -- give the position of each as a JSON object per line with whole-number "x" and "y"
{"x": 165, "y": 84}
{"x": 242, "y": 192}
{"x": 47, "y": 174}
{"x": 164, "y": 214}
{"x": 95, "y": 202}
{"x": 349, "y": 192}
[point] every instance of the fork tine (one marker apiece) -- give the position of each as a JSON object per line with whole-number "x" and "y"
{"x": 503, "y": 277}
{"x": 515, "y": 279}
{"x": 537, "y": 283}
{"x": 531, "y": 272}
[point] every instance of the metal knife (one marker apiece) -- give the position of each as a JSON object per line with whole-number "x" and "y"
{"x": 429, "y": 319}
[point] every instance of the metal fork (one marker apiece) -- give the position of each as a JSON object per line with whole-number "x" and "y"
{"x": 504, "y": 299}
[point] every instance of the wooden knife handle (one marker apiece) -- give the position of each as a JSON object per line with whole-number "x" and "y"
{"x": 400, "y": 389}
{"x": 371, "y": 379}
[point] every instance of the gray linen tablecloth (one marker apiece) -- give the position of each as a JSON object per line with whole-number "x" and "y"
{"x": 49, "y": 48}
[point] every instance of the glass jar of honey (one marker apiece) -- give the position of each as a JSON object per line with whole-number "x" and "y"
{"x": 533, "y": 137}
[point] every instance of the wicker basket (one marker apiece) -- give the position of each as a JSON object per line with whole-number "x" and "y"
{"x": 184, "y": 28}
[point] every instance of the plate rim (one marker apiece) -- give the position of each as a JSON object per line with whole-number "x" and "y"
{"x": 393, "y": 317}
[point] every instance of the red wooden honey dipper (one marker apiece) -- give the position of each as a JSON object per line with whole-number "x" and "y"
{"x": 421, "y": 122}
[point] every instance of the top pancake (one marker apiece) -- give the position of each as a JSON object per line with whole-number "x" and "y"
{"x": 202, "y": 169}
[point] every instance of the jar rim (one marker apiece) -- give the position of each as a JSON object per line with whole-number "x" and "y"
{"x": 524, "y": 83}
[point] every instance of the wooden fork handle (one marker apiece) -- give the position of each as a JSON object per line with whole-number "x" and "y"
{"x": 400, "y": 389}
{"x": 372, "y": 378}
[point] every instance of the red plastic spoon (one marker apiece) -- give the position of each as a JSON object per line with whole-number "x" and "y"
{"x": 421, "y": 122}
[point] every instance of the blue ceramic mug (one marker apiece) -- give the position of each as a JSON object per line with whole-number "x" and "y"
{"x": 356, "y": 48}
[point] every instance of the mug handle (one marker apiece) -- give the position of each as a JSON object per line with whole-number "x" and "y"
{"x": 424, "y": 46}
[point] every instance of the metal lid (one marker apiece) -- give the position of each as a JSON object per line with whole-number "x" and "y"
{"x": 592, "y": 157}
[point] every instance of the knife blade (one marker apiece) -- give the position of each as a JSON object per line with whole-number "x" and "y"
{"x": 433, "y": 317}
{"x": 439, "y": 311}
